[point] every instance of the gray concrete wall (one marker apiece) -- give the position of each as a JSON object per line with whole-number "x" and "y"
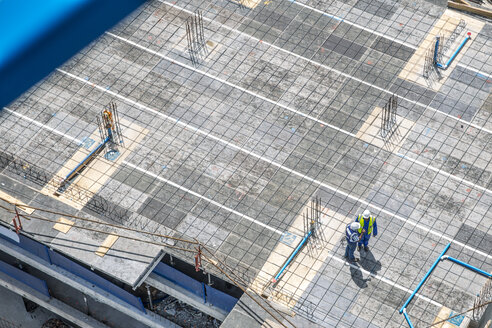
{"x": 12, "y": 310}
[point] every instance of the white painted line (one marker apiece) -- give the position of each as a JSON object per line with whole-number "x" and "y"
{"x": 250, "y": 153}
{"x": 427, "y": 166}
{"x": 339, "y": 72}
{"x": 385, "y": 280}
{"x": 153, "y": 175}
{"x": 42, "y": 125}
{"x": 338, "y": 18}
{"x": 261, "y": 224}
{"x": 409, "y": 45}
{"x": 276, "y": 103}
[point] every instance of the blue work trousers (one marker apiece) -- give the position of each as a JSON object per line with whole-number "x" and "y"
{"x": 364, "y": 240}
{"x": 349, "y": 250}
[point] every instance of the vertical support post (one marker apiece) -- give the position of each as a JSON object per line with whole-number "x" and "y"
{"x": 198, "y": 259}
{"x": 17, "y": 221}
{"x": 150, "y": 297}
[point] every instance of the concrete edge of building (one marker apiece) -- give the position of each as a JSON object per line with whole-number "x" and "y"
{"x": 151, "y": 319}
{"x": 59, "y": 308}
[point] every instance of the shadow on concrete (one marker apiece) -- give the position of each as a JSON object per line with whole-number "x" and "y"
{"x": 357, "y": 276}
{"x": 369, "y": 263}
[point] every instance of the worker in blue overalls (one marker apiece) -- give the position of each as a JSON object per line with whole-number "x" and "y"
{"x": 367, "y": 223}
{"x": 352, "y": 235}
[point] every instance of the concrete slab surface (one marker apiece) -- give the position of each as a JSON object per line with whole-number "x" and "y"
{"x": 284, "y": 108}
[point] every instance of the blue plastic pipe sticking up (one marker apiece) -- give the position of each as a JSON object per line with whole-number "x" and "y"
{"x": 424, "y": 279}
{"x": 292, "y": 255}
{"x": 436, "y": 50}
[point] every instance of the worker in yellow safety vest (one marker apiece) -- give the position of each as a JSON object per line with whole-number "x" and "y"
{"x": 369, "y": 226}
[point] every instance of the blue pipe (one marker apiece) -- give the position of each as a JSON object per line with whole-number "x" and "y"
{"x": 84, "y": 161}
{"x": 425, "y": 278}
{"x": 450, "y": 60}
{"x": 453, "y": 56}
{"x": 407, "y": 318}
{"x": 436, "y": 49}
{"x": 292, "y": 255}
{"x": 466, "y": 265}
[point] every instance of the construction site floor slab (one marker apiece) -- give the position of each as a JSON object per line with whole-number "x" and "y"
{"x": 284, "y": 108}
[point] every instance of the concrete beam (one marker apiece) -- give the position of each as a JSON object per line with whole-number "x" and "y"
{"x": 65, "y": 311}
{"x": 182, "y": 294}
{"x": 150, "y": 319}
{"x": 469, "y": 8}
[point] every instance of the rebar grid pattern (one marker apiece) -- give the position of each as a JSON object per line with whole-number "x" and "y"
{"x": 268, "y": 120}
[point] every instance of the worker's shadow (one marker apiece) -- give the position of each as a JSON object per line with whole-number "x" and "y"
{"x": 357, "y": 276}
{"x": 368, "y": 263}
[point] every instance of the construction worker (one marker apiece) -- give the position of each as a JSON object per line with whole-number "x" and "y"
{"x": 369, "y": 226}
{"x": 352, "y": 236}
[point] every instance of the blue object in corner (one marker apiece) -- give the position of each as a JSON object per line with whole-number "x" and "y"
{"x": 38, "y": 36}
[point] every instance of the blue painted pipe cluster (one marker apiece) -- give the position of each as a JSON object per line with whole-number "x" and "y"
{"x": 403, "y": 309}
{"x": 453, "y": 56}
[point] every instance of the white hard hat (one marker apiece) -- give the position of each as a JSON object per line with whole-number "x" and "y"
{"x": 355, "y": 226}
{"x": 366, "y": 214}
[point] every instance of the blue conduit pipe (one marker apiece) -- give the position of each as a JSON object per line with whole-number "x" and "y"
{"x": 453, "y": 56}
{"x": 443, "y": 257}
{"x": 450, "y": 60}
{"x": 468, "y": 266}
{"x": 85, "y": 160}
{"x": 424, "y": 279}
{"x": 436, "y": 50}
{"x": 407, "y": 318}
{"x": 275, "y": 279}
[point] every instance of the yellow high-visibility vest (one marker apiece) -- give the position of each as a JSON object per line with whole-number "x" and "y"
{"x": 361, "y": 221}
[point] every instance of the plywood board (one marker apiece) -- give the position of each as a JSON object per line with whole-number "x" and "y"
{"x": 249, "y": 3}
{"x": 413, "y": 70}
{"x": 97, "y": 173}
{"x": 306, "y": 265}
{"x": 371, "y": 128}
{"x": 63, "y": 225}
{"x": 106, "y": 245}
{"x": 14, "y": 200}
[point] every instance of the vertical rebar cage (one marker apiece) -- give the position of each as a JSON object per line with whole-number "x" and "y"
{"x": 195, "y": 36}
{"x": 388, "y": 116}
